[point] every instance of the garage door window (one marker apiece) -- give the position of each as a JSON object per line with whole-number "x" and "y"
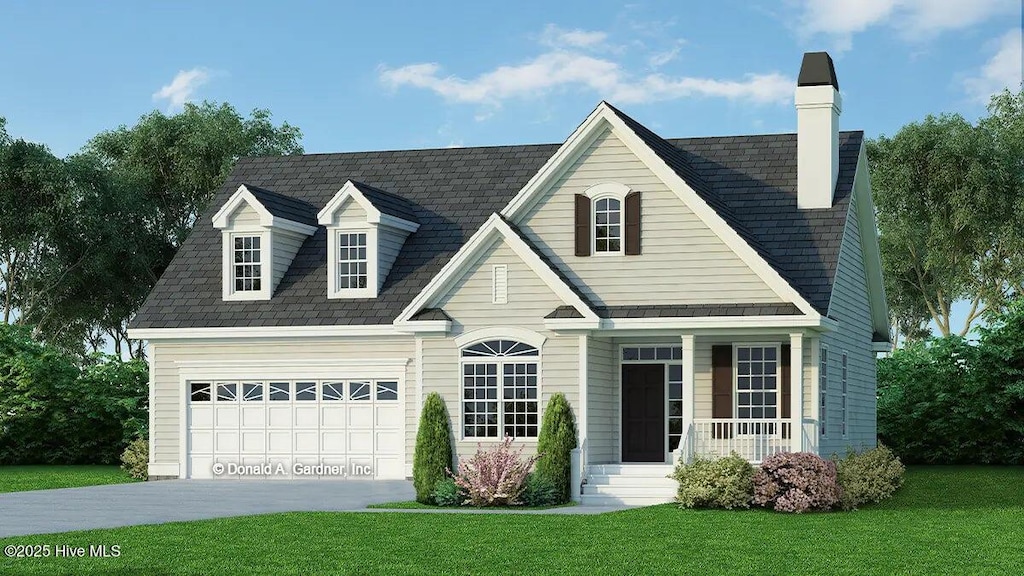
{"x": 333, "y": 391}
{"x": 252, "y": 392}
{"x": 305, "y": 391}
{"x": 226, "y": 392}
{"x": 359, "y": 391}
{"x": 279, "y": 392}
{"x": 200, "y": 392}
{"x": 387, "y": 390}
{"x": 500, "y": 385}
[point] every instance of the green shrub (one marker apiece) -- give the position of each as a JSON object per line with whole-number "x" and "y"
{"x": 869, "y": 476}
{"x": 135, "y": 459}
{"x": 556, "y": 441}
{"x": 433, "y": 457}
{"x": 715, "y": 482}
{"x": 447, "y": 493}
{"x": 540, "y": 491}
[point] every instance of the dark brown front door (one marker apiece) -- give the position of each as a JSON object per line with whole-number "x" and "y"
{"x": 643, "y": 413}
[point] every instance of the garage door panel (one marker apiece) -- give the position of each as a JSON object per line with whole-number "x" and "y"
{"x": 360, "y": 441}
{"x": 332, "y": 442}
{"x": 254, "y": 461}
{"x": 226, "y": 417}
{"x": 282, "y": 462}
{"x": 386, "y": 441}
{"x": 360, "y": 416}
{"x": 279, "y": 441}
{"x": 279, "y": 417}
{"x": 388, "y": 415}
{"x": 306, "y": 442}
{"x": 226, "y": 441}
{"x": 387, "y": 467}
{"x": 202, "y": 416}
{"x": 332, "y": 417}
{"x": 254, "y": 442}
{"x": 306, "y": 416}
{"x": 200, "y": 467}
{"x": 254, "y": 416}
{"x": 201, "y": 441}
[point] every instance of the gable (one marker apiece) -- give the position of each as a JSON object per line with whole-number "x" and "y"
{"x": 244, "y": 217}
{"x": 850, "y": 305}
{"x": 682, "y": 261}
{"x": 349, "y": 214}
{"x": 468, "y": 300}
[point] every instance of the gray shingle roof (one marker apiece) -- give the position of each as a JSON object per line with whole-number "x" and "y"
{"x": 431, "y": 314}
{"x": 681, "y": 311}
{"x": 285, "y": 206}
{"x": 387, "y": 202}
{"x": 451, "y": 192}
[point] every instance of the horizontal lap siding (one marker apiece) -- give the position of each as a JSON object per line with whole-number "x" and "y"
{"x": 682, "y": 260}
{"x": 244, "y": 217}
{"x": 168, "y": 393}
{"x": 389, "y": 243}
{"x": 602, "y": 401}
{"x": 286, "y": 245}
{"x": 468, "y": 302}
{"x": 350, "y": 213}
{"x": 852, "y": 310}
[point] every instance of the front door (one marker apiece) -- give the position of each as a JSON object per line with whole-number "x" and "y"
{"x": 643, "y": 413}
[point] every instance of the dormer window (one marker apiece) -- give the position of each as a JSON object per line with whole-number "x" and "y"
{"x": 607, "y": 226}
{"x": 352, "y": 272}
{"x": 248, "y": 268}
{"x": 608, "y": 220}
{"x": 366, "y": 228}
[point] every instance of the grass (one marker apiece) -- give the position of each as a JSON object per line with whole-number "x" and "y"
{"x": 946, "y": 520}
{"x": 414, "y": 505}
{"x": 21, "y": 478}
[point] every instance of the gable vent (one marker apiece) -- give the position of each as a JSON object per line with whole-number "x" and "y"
{"x": 499, "y": 284}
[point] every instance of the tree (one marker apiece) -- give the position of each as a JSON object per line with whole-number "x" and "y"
{"x": 947, "y": 211}
{"x": 433, "y": 457}
{"x": 555, "y": 443}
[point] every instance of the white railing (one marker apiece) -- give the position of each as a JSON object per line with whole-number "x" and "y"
{"x": 754, "y": 440}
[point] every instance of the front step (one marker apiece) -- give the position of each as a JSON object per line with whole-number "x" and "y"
{"x": 628, "y": 485}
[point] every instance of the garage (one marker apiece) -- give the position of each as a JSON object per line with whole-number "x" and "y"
{"x": 276, "y": 428}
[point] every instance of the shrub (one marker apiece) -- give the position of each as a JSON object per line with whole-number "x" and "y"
{"x": 135, "y": 459}
{"x": 869, "y": 476}
{"x": 433, "y": 456}
{"x": 715, "y": 482}
{"x": 556, "y": 441}
{"x": 494, "y": 477}
{"x": 796, "y": 482}
{"x": 540, "y": 491}
{"x": 447, "y": 493}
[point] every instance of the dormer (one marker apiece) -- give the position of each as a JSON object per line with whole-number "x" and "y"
{"x": 366, "y": 228}
{"x": 261, "y": 232}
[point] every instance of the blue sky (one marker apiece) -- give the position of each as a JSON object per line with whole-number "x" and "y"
{"x": 386, "y": 75}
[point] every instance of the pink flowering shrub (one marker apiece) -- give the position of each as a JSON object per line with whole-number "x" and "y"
{"x": 796, "y": 482}
{"x": 495, "y": 476}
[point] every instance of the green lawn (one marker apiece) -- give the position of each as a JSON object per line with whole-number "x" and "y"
{"x": 944, "y": 521}
{"x": 20, "y": 478}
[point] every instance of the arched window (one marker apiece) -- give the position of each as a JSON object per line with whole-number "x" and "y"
{"x": 607, "y": 225}
{"x": 500, "y": 394}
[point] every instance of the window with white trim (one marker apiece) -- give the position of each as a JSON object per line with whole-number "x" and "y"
{"x": 247, "y": 263}
{"x": 351, "y": 264}
{"x": 842, "y": 391}
{"x": 500, "y": 390}
{"x": 823, "y": 390}
{"x": 608, "y": 226}
{"x": 757, "y": 387}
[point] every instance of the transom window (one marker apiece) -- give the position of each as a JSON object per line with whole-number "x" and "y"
{"x": 500, "y": 393}
{"x": 757, "y": 382}
{"x": 351, "y": 260}
{"x": 302, "y": 391}
{"x": 246, "y": 268}
{"x": 608, "y": 225}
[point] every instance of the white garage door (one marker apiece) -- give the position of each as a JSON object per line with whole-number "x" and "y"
{"x": 291, "y": 429}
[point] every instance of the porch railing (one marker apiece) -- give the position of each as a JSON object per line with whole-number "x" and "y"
{"x": 754, "y": 440}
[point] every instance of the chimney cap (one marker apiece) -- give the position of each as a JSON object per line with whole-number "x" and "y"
{"x": 817, "y": 70}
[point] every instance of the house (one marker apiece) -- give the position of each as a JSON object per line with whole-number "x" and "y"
{"x": 688, "y": 296}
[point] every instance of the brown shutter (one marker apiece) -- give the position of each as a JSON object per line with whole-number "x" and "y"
{"x": 632, "y": 218}
{"x": 582, "y": 225}
{"x": 721, "y": 389}
{"x": 786, "y": 394}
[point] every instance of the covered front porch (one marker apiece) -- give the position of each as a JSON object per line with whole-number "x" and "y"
{"x": 650, "y": 401}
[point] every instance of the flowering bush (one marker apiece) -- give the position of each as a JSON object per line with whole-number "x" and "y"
{"x": 494, "y": 477}
{"x": 869, "y": 476}
{"x": 715, "y": 482}
{"x": 796, "y": 482}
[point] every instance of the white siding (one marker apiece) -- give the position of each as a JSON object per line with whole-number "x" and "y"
{"x": 470, "y": 306}
{"x": 682, "y": 260}
{"x": 851, "y": 309}
{"x": 168, "y": 393}
{"x": 244, "y": 217}
{"x": 350, "y": 214}
{"x": 602, "y": 401}
{"x": 389, "y": 244}
{"x": 285, "y": 245}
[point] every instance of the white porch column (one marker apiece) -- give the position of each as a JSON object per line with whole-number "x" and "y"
{"x": 689, "y": 396}
{"x": 796, "y": 390}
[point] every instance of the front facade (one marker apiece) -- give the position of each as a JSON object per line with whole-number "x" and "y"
{"x": 694, "y": 296}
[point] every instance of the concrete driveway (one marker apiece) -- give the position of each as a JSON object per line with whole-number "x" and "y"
{"x": 110, "y": 506}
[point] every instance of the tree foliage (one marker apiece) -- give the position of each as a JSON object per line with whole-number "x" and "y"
{"x": 433, "y": 457}
{"x": 949, "y": 196}
{"x": 555, "y": 443}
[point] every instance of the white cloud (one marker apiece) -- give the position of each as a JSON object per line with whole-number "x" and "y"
{"x": 659, "y": 59}
{"x": 567, "y": 69}
{"x": 183, "y": 87}
{"x": 1003, "y": 70}
{"x": 556, "y": 37}
{"x": 914, "y": 19}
